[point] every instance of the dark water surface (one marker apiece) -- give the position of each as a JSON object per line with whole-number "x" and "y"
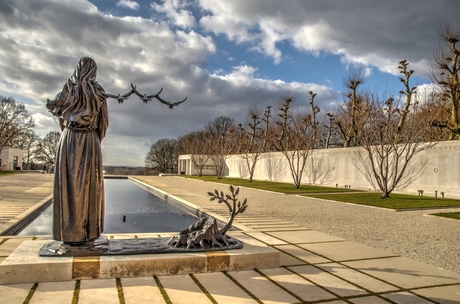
{"x": 144, "y": 212}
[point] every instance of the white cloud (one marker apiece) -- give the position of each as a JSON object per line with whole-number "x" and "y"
{"x": 176, "y": 11}
{"x": 45, "y": 41}
{"x": 235, "y": 20}
{"x": 425, "y": 92}
{"x": 128, "y": 4}
{"x": 373, "y": 33}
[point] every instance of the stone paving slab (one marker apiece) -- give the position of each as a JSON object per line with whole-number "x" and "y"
{"x": 357, "y": 278}
{"x": 259, "y": 220}
{"x": 262, "y": 221}
{"x": 405, "y": 298}
{"x": 306, "y": 236}
{"x": 141, "y": 290}
{"x": 332, "y": 283}
{"x": 302, "y": 254}
{"x": 405, "y": 273}
{"x": 287, "y": 260}
{"x": 13, "y": 294}
{"x": 54, "y": 293}
{"x": 267, "y": 239}
{"x": 442, "y": 294}
{"x": 277, "y": 229}
{"x": 181, "y": 289}
{"x": 345, "y": 251}
{"x": 369, "y": 300}
{"x": 222, "y": 289}
{"x": 262, "y": 288}
{"x": 273, "y": 226}
{"x": 97, "y": 291}
{"x": 254, "y": 216}
{"x": 302, "y": 288}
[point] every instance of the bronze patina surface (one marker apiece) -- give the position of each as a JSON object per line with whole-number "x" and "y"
{"x": 103, "y": 246}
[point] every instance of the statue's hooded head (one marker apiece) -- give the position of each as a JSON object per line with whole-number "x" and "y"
{"x": 85, "y": 72}
{"x": 81, "y": 97}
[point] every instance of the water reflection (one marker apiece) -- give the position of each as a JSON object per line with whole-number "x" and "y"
{"x": 41, "y": 225}
{"x": 144, "y": 212}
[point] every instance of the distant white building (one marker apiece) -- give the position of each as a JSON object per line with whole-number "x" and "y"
{"x": 187, "y": 165}
{"x": 11, "y": 159}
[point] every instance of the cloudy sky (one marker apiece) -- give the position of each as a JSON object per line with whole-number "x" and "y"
{"x": 225, "y": 56}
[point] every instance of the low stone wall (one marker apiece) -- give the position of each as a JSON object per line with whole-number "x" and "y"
{"x": 435, "y": 169}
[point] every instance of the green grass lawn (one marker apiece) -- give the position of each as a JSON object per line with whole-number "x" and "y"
{"x": 396, "y": 201}
{"x": 452, "y": 215}
{"x": 271, "y": 186}
{"x": 2, "y": 173}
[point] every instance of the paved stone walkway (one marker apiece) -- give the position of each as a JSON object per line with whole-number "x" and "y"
{"x": 22, "y": 194}
{"x": 316, "y": 268}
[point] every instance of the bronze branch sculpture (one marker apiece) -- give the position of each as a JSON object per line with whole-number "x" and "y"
{"x": 205, "y": 232}
{"x": 144, "y": 97}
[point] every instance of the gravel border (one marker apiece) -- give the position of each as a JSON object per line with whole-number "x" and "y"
{"x": 430, "y": 239}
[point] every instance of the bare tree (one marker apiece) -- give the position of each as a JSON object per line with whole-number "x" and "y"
{"x": 329, "y": 131}
{"x": 348, "y": 118}
{"x": 391, "y": 137}
{"x": 197, "y": 145}
{"x": 14, "y": 121}
{"x": 222, "y": 134}
{"x": 435, "y": 110}
{"x": 253, "y": 140}
{"x": 446, "y": 73}
{"x": 162, "y": 156}
{"x": 28, "y": 142}
{"x": 47, "y": 147}
{"x": 296, "y": 135}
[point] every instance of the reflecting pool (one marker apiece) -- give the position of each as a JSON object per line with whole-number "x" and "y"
{"x": 128, "y": 209}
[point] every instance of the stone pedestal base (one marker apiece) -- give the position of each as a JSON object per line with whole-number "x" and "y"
{"x": 103, "y": 246}
{"x": 25, "y": 265}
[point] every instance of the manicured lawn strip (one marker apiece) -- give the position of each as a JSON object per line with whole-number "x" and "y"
{"x": 452, "y": 215}
{"x": 396, "y": 201}
{"x": 271, "y": 186}
{"x": 2, "y": 173}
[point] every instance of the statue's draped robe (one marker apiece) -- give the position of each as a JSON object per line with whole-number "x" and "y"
{"x": 78, "y": 214}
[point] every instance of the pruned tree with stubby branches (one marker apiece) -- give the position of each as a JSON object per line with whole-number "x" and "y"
{"x": 445, "y": 69}
{"x": 391, "y": 137}
{"x": 295, "y": 135}
{"x": 348, "y": 117}
{"x": 253, "y": 140}
{"x": 221, "y": 133}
